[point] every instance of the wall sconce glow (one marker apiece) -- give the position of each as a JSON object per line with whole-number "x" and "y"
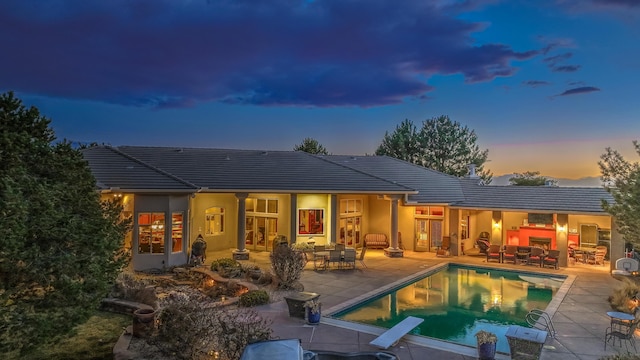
{"x": 562, "y": 228}
{"x": 496, "y": 225}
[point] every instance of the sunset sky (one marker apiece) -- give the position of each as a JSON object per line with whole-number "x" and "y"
{"x": 546, "y": 84}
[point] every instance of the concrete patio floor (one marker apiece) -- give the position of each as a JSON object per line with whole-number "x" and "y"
{"x": 580, "y": 318}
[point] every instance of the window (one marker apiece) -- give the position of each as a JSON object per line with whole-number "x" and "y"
{"x": 430, "y": 211}
{"x": 311, "y": 221}
{"x": 214, "y": 221}
{"x": 263, "y": 206}
{"x": 350, "y": 206}
{"x": 176, "y": 231}
{"x": 151, "y": 233}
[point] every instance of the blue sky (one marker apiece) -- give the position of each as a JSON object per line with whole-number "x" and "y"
{"x": 546, "y": 84}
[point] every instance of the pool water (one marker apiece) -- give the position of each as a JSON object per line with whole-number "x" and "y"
{"x": 458, "y": 301}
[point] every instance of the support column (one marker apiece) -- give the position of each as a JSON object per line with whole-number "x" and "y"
{"x": 617, "y": 245}
{"x": 293, "y": 227}
{"x": 394, "y": 250}
{"x": 496, "y": 228}
{"x": 334, "y": 219}
{"x": 562, "y": 238}
{"x": 241, "y": 253}
{"x": 454, "y": 230}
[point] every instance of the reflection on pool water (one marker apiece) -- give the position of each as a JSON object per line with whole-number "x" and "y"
{"x": 458, "y": 301}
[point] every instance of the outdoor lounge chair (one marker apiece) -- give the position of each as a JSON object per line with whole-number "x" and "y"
{"x": 510, "y": 253}
{"x": 535, "y": 256}
{"x": 444, "y": 249}
{"x": 551, "y": 259}
{"x": 494, "y": 253}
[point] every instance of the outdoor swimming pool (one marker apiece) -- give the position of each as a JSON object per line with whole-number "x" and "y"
{"x": 456, "y": 301}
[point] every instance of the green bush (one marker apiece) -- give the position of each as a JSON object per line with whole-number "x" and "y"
{"x": 223, "y": 263}
{"x": 254, "y": 298}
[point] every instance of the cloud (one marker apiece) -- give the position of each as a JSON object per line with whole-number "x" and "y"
{"x": 553, "y": 60}
{"x": 170, "y": 53}
{"x": 566, "y": 68}
{"x": 535, "y": 83}
{"x": 618, "y": 3}
{"x": 579, "y": 90}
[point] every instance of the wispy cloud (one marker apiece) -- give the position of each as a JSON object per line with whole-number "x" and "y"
{"x": 167, "y": 53}
{"x": 566, "y": 68}
{"x": 535, "y": 83}
{"x": 579, "y": 90}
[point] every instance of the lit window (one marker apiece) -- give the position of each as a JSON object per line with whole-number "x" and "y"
{"x": 151, "y": 233}
{"x": 214, "y": 221}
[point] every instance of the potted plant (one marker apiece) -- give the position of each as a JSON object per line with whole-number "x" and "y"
{"x": 312, "y": 310}
{"x": 486, "y": 344}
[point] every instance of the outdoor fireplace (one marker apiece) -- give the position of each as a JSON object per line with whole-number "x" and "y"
{"x": 543, "y": 242}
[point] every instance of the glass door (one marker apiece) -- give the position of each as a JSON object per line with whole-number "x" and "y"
{"x": 260, "y": 232}
{"x": 350, "y": 231}
{"x": 428, "y": 234}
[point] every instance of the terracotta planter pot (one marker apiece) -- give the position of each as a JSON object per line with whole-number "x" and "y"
{"x": 143, "y": 322}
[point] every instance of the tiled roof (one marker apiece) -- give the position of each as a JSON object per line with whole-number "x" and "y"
{"x": 115, "y": 170}
{"x": 542, "y": 198}
{"x": 172, "y": 169}
{"x": 434, "y": 187}
{"x": 254, "y": 170}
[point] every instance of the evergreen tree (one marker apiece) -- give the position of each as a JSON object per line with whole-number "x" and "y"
{"x": 402, "y": 144}
{"x": 61, "y": 247}
{"x": 621, "y": 179}
{"x": 440, "y": 144}
{"x": 530, "y": 178}
{"x": 311, "y": 146}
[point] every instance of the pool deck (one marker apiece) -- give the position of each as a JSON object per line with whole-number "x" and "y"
{"x": 580, "y": 318}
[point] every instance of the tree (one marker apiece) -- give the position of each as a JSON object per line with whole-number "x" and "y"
{"x": 61, "y": 247}
{"x": 311, "y": 146}
{"x": 530, "y": 178}
{"x": 440, "y": 144}
{"x": 402, "y": 144}
{"x": 621, "y": 179}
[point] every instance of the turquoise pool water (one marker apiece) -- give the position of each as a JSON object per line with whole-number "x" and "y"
{"x": 458, "y": 301}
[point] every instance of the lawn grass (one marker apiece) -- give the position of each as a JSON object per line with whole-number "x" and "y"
{"x": 92, "y": 340}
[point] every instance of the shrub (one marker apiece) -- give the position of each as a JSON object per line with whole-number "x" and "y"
{"x": 254, "y": 298}
{"x": 623, "y": 298}
{"x": 188, "y": 328}
{"x": 621, "y": 357}
{"x": 287, "y": 265}
{"x": 128, "y": 286}
{"x": 227, "y": 267}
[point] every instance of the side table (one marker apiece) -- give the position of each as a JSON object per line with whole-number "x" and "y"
{"x": 296, "y": 301}
{"x": 525, "y": 343}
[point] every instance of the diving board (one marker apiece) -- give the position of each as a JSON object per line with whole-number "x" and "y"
{"x": 391, "y": 336}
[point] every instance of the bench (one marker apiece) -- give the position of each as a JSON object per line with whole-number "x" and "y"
{"x": 391, "y": 336}
{"x": 376, "y": 241}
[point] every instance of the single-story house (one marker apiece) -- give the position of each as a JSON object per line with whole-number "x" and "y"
{"x": 249, "y": 200}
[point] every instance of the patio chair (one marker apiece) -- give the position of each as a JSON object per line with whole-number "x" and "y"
{"x": 551, "y": 259}
{"x": 510, "y": 253}
{"x": 494, "y": 253}
{"x": 621, "y": 332}
{"x": 361, "y": 256}
{"x": 335, "y": 257}
{"x": 349, "y": 259}
{"x": 444, "y": 249}
{"x": 340, "y": 247}
{"x": 483, "y": 242}
{"x": 536, "y": 256}
{"x": 597, "y": 257}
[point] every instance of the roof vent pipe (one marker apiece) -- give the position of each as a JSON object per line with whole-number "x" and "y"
{"x": 472, "y": 171}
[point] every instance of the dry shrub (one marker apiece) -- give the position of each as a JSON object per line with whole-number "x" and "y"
{"x": 188, "y": 328}
{"x": 129, "y": 286}
{"x": 622, "y": 299}
{"x": 287, "y": 265}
